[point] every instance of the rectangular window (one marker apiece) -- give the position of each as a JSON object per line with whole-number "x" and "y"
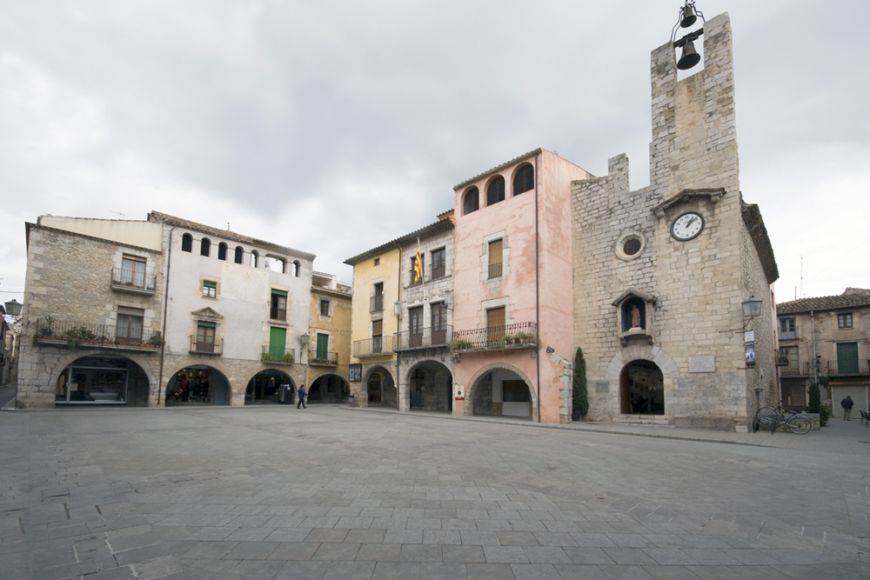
{"x": 847, "y": 358}
{"x": 495, "y": 325}
{"x": 377, "y": 261}
{"x": 495, "y": 259}
{"x": 129, "y": 324}
{"x": 415, "y": 326}
{"x": 786, "y": 325}
{"x": 844, "y": 320}
{"x": 377, "y": 304}
{"x": 209, "y": 289}
{"x": 278, "y": 308}
{"x": 277, "y": 343}
{"x": 788, "y": 356}
{"x": 322, "y": 351}
{"x": 133, "y": 271}
{"x": 205, "y": 333}
{"x": 439, "y": 323}
{"x": 324, "y": 307}
{"x": 377, "y": 335}
{"x": 439, "y": 263}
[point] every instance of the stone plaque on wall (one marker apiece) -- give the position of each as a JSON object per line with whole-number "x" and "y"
{"x": 705, "y": 363}
{"x": 602, "y": 386}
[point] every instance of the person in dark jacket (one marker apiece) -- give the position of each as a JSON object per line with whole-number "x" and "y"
{"x": 301, "y": 393}
{"x": 847, "y": 407}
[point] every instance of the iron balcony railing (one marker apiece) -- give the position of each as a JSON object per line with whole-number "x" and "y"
{"x": 426, "y": 338}
{"x": 520, "y": 335}
{"x": 54, "y": 332}
{"x": 377, "y": 303}
{"x": 375, "y": 346}
{"x": 287, "y": 357}
{"x": 788, "y": 334}
{"x": 860, "y": 367}
{"x": 322, "y": 359}
{"x": 277, "y": 313}
{"x": 206, "y": 347}
{"x": 133, "y": 281}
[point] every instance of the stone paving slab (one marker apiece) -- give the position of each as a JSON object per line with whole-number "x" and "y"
{"x": 273, "y": 493}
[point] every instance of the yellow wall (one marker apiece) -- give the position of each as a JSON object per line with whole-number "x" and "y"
{"x": 365, "y": 275}
{"x": 337, "y": 326}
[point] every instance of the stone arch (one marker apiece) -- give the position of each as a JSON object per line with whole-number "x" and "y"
{"x": 641, "y": 388}
{"x": 101, "y": 378}
{"x": 386, "y": 393}
{"x": 198, "y": 384}
{"x": 265, "y": 387}
{"x": 477, "y": 379}
{"x": 641, "y": 351}
{"x": 328, "y": 388}
{"x": 430, "y": 386}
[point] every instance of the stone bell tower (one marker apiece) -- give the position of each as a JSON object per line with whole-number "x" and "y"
{"x": 660, "y": 273}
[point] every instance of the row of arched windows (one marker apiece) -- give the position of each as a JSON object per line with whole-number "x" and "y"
{"x": 524, "y": 180}
{"x": 238, "y": 256}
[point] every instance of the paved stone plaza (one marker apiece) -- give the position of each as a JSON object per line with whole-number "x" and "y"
{"x": 272, "y": 492}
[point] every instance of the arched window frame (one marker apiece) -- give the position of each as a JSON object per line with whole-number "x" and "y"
{"x": 222, "y": 251}
{"x": 297, "y": 268}
{"x": 187, "y": 243}
{"x": 493, "y": 196}
{"x": 204, "y": 247}
{"x": 255, "y": 258}
{"x": 524, "y": 179}
{"x": 239, "y": 257}
{"x": 470, "y": 200}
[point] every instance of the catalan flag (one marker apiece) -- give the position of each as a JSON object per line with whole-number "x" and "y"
{"x": 418, "y": 264}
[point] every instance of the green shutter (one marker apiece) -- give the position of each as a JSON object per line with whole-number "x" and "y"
{"x": 322, "y": 346}
{"x": 847, "y": 357}
{"x": 277, "y": 341}
{"x": 279, "y": 293}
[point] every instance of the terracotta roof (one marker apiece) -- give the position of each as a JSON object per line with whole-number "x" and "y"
{"x": 498, "y": 167}
{"x": 758, "y": 233}
{"x": 852, "y": 298}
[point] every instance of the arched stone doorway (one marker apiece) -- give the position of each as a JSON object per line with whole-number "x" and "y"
{"x": 430, "y": 386}
{"x": 641, "y": 389}
{"x": 501, "y": 392}
{"x": 198, "y": 385}
{"x": 265, "y": 388}
{"x": 102, "y": 380}
{"x": 328, "y": 388}
{"x": 381, "y": 388}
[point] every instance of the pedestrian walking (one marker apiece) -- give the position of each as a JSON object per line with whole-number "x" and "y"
{"x": 301, "y": 394}
{"x": 847, "y": 407}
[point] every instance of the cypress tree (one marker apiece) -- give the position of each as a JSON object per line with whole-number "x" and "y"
{"x": 581, "y": 398}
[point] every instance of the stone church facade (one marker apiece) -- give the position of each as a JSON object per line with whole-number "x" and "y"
{"x": 661, "y": 273}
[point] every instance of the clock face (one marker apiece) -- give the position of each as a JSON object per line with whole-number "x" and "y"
{"x": 688, "y": 226}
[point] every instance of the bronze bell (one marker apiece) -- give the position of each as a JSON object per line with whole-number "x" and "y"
{"x": 688, "y": 16}
{"x": 690, "y": 56}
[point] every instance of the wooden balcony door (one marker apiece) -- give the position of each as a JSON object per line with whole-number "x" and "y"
{"x": 494, "y": 325}
{"x": 415, "y": 326}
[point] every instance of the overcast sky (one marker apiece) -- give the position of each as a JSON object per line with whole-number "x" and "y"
{"x": 333, "y": 127}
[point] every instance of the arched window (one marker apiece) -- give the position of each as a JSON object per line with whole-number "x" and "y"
{"x": 470, "y": 200}
{"x": 222, "y": 251}
{"x": 524, "y": 179}
{"x": 495, "y": 191}
{"x": 297, "y": 268}
{"x": 204, "y": 247}
{"x": 255, "y": 258}
{"x": 186, "y": 243}
{"x": 240, "y": 255}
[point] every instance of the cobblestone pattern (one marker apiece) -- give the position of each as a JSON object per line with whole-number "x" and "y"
{"x": 275, "y": 493}
{"x": 698, "y": 286}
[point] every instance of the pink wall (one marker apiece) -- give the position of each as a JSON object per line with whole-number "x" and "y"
{"x": 514, "y": 220}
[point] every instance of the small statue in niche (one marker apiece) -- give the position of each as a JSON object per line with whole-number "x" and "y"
{"x": 635, "y": 317}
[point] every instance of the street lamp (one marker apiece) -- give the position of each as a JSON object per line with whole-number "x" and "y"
{"x": 686, "y": 17}
{"x": 13, "y": 308}
{"x": 751, "y": 308}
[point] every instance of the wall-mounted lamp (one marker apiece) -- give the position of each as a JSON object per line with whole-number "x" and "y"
{"x": 13, "y": 308}
{"x": 751, "y": 308}
{"x": 550, "y": 350}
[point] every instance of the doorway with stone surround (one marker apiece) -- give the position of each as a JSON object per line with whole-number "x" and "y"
{"x": 430, "y": 385}
{"x": 381, "y": 388}
{"x": 102, "y": 380}
{"x": 641, "y": 389}
{"x": 265, "y": 387}
{"x": 198, "y": 385}
{"x": 501, "y": 392}
{"x": 328, "y": 388}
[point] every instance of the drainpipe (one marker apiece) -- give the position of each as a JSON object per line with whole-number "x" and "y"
{"x": 163, "y": 328}
{"x": 537, "y": 286}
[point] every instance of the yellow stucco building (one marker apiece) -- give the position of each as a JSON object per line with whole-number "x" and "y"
{"x": 329, "y": 334}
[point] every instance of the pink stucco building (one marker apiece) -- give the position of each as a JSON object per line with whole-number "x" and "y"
{"x": 513, "y": 297}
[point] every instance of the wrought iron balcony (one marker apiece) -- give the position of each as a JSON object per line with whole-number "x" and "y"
{"x": 322, "y": 359}
{"x": 426, "y": 338}
{"x": 53, "y": 332}
{"x": 375, "y": 346}
{"x": 215, "y": 347}
{"x": 133, "y": 281}
{"x": 852, "y": 368}
{"x": 520, "y": 335}
{"x": 377, "y": 303}
{"x": 288, "y": 357}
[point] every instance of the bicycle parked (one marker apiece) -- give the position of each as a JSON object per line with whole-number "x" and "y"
{"x": 771, "y": 417}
